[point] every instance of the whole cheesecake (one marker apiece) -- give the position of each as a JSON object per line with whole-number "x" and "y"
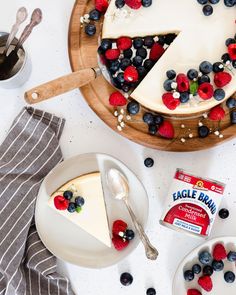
{"x": 199, "y": 38}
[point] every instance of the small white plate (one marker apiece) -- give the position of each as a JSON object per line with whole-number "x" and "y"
{"x": 66, "y": 240}
{"x": 220, "y": 287}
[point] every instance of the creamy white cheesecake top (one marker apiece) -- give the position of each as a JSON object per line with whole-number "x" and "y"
{"x": 199, "y": 38}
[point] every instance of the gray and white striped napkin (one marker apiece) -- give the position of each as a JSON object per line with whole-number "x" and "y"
{"x": 30, "y": 150}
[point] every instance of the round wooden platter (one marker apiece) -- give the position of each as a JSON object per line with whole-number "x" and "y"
{"x": 82, "y": 53}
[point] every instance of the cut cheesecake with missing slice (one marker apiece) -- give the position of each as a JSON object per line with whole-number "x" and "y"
{"x": 93, "y": 216}
{"x": 199, "y": 39}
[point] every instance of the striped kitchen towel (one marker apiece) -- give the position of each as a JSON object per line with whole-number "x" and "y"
{"x": 30, "y": 150}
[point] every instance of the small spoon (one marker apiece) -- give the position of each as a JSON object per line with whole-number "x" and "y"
{"x": 21, "y": 16}
{"x": 119, "y": 188}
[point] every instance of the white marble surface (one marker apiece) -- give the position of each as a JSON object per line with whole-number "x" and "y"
{"x": 48, "y": 50}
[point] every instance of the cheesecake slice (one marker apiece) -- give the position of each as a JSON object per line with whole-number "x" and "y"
{"x": 199, "y": 38}
{"x": 93, "y": 216}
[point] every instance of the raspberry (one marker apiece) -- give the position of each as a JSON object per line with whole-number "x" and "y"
{"x": 61, "y": 203}
{"x": 166, "y": 130}
{"x": 221, "y": 79}
{"x": 182, "y": 83}
{"x": 217, "y": 113}
{"x": 134, "y": 4}
{"x": 119, "y": 226}
{"x": 101, "y": 5}
{"x": 112, "y": 54}
{"x": 119, "y": 243}
{"x": 156, "y": 52}
{"x": 124, "y": 43}
{"x": 131, "y": 74}
{"x": 169, "y": 101}
{"x": 193, "y": 292}
{"x": 219, "y": 252}
{"x": 232, "y": 51}
{"x": 206, "y": 283}
{"x": 205, "y": 91}
{"x": 117, "y": 99}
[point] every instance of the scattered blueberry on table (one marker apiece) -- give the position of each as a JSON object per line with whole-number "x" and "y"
{"x": 148, "y": 162}
{"x": 224, "y": 213}
{"x": 126, "y": 279}
{"x": 151, "y": 291}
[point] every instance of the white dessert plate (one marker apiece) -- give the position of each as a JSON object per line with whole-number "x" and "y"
{"x": 220, "y": 287}
{"x": 68, "y": 241}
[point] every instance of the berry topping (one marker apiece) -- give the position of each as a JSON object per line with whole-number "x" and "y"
{"x": 224, "y": 213}
{"x": 90, "y": 29}
{"x": 193, "y": 292}
{"x": 125, "y": 62}
{"x": 229, "y": 277}
{"x": 166, "y": 130}
{"x": 171, "y": 74}
{"x": 146, "y": 3}
{"x": 217, "y": 113}
{"x": 101, "y": 5}
{"x": 141, "y": 52}
{"x": 151, "y": 291}
{"x": 221, "y": 79}
{"x": 112, "y": 54}
{"x": 134, "y": 4}
{"x": 205, "y": 91}
{"x": 126, "y": 279}
{"x": 61, "y": 203}
{"x": 68, "y": 195}
{"x": 156, "y": 51}
{"x": 207, "y": 270}
{"x": 219, "y": 94}
{"x": 131, "y": 74}
{"x": 137, "y": 61}
{"x": 117, "y": 99}
{"x": 129, "y": 234}
{"x": 133, "y": 107}
{"x": 119, "y": 226}
{"x": 231, "y": 256}
{"x": 148, "y": 162}
{"x": 148, "y": 41}
{"x": 188, "y": 275}
{"x": 203, "y": 131}
{"x": 124, "y": 43}
{"x": 128, "y": 53}
{"x": 119, "y": 243}
{"x": 196, "y": 268}
{"x": 232, "y": 51}
{"x": 71, "y": 207}
{"x": 79, "y": 201}
{"x": 106, "y": 44}
{"x": 182, "y": 83}
{"x": 184, "y": 97}
{"x": 219, "y": 252}
{"x": 169, "y": 101}
{"x": 206, "y": 283}
{"x": 205, "y": 257}
{"x": 206, "y": 67}
{"x": 218, "y": 265}
{"x": 218, "y": 67}
{"x": 119, "y": 3}
{"x": 192, "y": 74}
{"x": 168, "y": 85}
{"x": 138, "y": 42}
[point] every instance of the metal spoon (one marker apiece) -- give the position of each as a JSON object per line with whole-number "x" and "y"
{"x": 21, "y": 16}
{"x": 119, "y": 188}
{"x": 13, "y": 57}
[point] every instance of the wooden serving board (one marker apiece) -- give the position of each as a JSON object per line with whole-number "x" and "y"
{"x": 83, "y": 54}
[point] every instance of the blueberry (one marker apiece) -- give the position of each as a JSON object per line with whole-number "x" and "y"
{"x": 128, "y": 53}
{"x": 203, "y": 131}
{"x": 148, "y": 118}
{"x": 125, "y": 62}
{"x": 218, "y": 67}
{"x": 219, "y": 94}
{"x": 148, "y": 162}
{"x": 233, "y": 117}
{"x": 161, "y": 40}
{"x": 146, "y": 3}
{"x": 141, "y": 52}
{"x": 94, "y": 14}
{"x": 167, "y": 85}
{"x": 230, "y": 3}
{"x": 79, "y": 201}
{"x": 106, "y": 44}
{"x": 231, "y": 102}
{"x": 188, "y": 275}
{"x": 90, "y": 29}
{"x": 206, "y": 67}
{"x": 218, "y": 265}
{"x": 192, "y": 74}
{"x": 224, "y": 213}
{"x": 125, "y": 88}
{"x": 196, "y": 269}
{"x": 100, "y": 50}
{"x": 234, "y": 63}
{"x": 207, "y": 270}
{"x": 129, "y": 234}
{"x": 116, "y": 83}
{"x": 204, "y": 79}
{"x": 229, "y": 277}
{"x": 171, "y": 74}
{"x": 68, "y": 195}
{"x": 126, "y": 279}
{"x": 205, "y": 257}
{"x": 148, "y": 41}
{"x": 148, "y": 64}
{"x": 231, "y": 256}
{"x": 207, "y": 10}
{"x": 137, "y": 61}
{"x": 202, "y": 2}
{"x": 142, "y": 72}
{"x": 214, "y": 1}
{"x": 71, "y": 207}
{"x": 120, "y": 78}
{"x": 184, "y": 97}
{"x": 133, "y": 107}
{"x": 114, "y": 66}
{"x": 158, "y": 119}
{"x": 169, "y": 38}
{"x": 152, "y": 129}
{"x": 229, "y": 41}
{"x": 120, "y": 3}
{"x": 138, "y": 42}
{"x": 151, "y": 291}
{"x": 225, "y": 57}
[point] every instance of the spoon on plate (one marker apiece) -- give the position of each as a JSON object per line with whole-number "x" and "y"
{"x": 119, "y": 188}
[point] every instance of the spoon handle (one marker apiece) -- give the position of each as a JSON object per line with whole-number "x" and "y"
{"x": 151, "y": 251}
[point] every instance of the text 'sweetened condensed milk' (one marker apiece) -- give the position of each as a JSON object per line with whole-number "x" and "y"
{"x": 192, "y": 203}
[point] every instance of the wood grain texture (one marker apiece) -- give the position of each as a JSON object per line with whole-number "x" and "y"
{"x": 82, "y": 53}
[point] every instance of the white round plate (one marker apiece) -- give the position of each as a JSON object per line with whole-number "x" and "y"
{"x": 66, "y": 240}
{"x": 220, "y": 287}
